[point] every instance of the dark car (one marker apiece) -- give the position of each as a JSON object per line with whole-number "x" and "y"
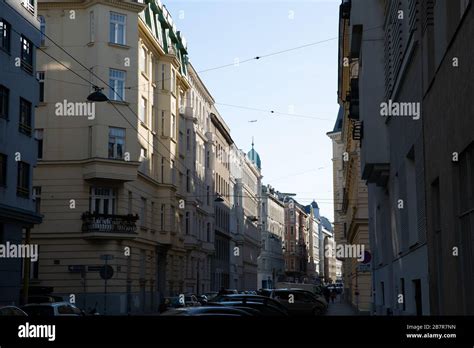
{"x": 12, "y": 311}
{"x": 62, "y": 309}
{"x": 208, "y": 311}
{"x": 300, "y": 302}
{"x": 245, "y": 298}
{"x": 257, "y": 309}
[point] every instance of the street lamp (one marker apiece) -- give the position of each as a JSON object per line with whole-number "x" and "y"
{"x": 219, "y": 199}
{"x": 97, "y": 95}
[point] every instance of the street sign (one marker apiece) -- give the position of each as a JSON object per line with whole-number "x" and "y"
{"x": 76, "y": 268}
{"x": 106, "y": 272}
{"x": 94, "y": 268}
{"x": 106, "y": 257}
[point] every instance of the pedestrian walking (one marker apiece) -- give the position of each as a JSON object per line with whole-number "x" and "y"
{"x": 333, "y": 295}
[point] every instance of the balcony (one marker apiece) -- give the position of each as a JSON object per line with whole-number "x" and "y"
{"x": 345, "y": 9}
{"x": 191, "y": 242}
{"x": 107, "y": 226}
{"x": 110, "y": 169}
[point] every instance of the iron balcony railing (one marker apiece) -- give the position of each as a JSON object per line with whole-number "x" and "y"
{"x": 109, "y": 223}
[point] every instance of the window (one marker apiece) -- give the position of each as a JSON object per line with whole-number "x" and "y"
{"x": 117, "y": 28}
{"x": 208, "y": 158}
{"x": 188, "y": 139}
{"x": 208, "y": 194}
{"x": 187, "y": 223}
{"x": 173, "y": 179}
{"x": 116, "y": 142}
{"x": 143, "y": 212}
{"x": 173, "y": 126}
{"x": 4, "y": 101}
{"x": 91, "y": 27}
{"x": 143, "y": 60}
{"x": 292, "y": 231}
{"x": 5, "y": 35}
{"x": 143, "y": 154}
{"x": 130, "y": 202}
{"x": 173, "y": 81}
{"x": 162, "y": 218}
{"x": 40, "y": 78}
{"x": 42, "y": 29}
{"x": 162, "y": 169}
{"x": 153, "y": 216}
{"x": 37, "y": 198}
{"x": 117, "y": 84}
{"x": 26, "y": 54}
{"x": 162, "y": 123}
{"x": 162, "y": 76}
{"x": 25, "y": 117}
{"x": 102, "y": 200}
{"x": 3, "y": 169}
{"x": 39, "y": 139}
{"x": 188, "y": 180}
{"x": 23, "y": 179}
{"x": 143, "y": 109}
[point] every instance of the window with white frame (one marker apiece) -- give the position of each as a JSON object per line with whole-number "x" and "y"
{"x": 116, "y": 142}
{"x": 117, "y": 28}
{"x": 117, "y": 84}
{"x": 143, "y": 110}
{"x": 102, "y": 200}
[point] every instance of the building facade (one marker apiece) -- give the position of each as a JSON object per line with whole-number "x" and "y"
{"x": 19, "y": 143}
{"x": 381, "y": 73}
{"x": 118, "y": 195}
{"x": 354, "y": 207}
{"x": 221, "y": 144}
{"x": 448, "y": 152}
{"x": 271, "y": 263}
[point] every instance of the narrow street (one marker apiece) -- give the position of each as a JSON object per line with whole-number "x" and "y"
{"x": 340, "y": 307}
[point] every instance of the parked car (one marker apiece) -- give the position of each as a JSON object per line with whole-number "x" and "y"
{"x": 52, "y": 309}
{"x": 210, "y": 295}
{"x": 191, "y": 301}
{"x": 209, "y": 311}
{"x": 12, "y": 311}
{"x": 302, "y": 302}
{"x": 257, "y": 309}
{"x": 44, "y": 299}
{"x": 243, "y": 299}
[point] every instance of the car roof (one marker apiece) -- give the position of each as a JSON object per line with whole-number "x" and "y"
{"x": 49, "y": 304}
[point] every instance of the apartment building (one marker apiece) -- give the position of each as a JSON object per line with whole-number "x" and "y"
{"x": 354, "y": 209}
{"x": 296, "y": 238}
{"x": 314, "y": 221}
{"x": 195, "y": 142}
{"x": 114, "y": 198}
{"x": 271, "y": 263}
{"x": 221, "y": 142}
{"x": 445, "y": 30}
{"x": 19, "y": 143}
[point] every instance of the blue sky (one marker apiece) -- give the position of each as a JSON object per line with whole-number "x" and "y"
{"x": 295, "y": 151}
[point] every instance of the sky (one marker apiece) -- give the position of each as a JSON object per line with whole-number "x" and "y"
{"x": 295, "y": 151}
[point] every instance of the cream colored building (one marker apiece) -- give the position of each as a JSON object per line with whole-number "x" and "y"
{"x": 350, "y": 191}
{"x": 194, "y": 139}
{"x": 110, "y": 184}
{"x": 221, "y": 142}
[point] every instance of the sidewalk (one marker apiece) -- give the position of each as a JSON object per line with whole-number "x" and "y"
{"x": 340, "y": 307}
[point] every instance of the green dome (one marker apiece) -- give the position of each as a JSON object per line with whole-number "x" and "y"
{"x": 255, "y": 157}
